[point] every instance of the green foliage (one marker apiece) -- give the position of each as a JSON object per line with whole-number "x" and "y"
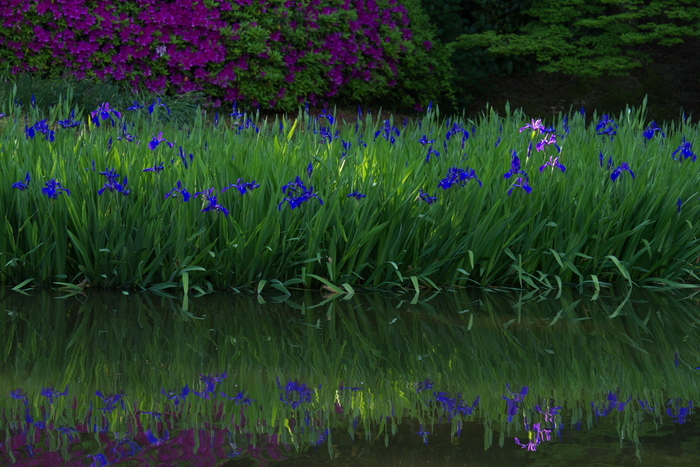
{"x": 576, "y": 227}
{"x": 592, "y": 38}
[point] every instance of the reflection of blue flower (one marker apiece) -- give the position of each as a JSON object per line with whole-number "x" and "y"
{"x": 240, "y": 399}
{"x": 19, "y": 394}
{"x": 175, "y": 397}
{"x": 51, "y": 393}
{"x": 110, "y": 401}
{"x": 678, "y": 413}
{"x": 211, "y": 381}
{"x": 423, "y": 385}
{"x": 295, "y": 394}
{"x": 513, "y": 402}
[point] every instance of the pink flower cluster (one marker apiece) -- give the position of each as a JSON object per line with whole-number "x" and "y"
{"x": 258, "y": 51}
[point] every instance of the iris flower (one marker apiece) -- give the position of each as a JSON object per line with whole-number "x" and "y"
{"x": 521, "y": 182}
{"x": 157, "y": 140}
{"x": 23, "y": 185}
{"x": 356, "y": 195}
{"x": 431, "y": 151}
{"x": 652, "y": 129}
{"x": 553, "y": 163}
{"x": 70, "y": 122}
{"x": 215, "y": 206}
{"x": 113, "y": 183}
{"x": 110, "y": 401}
{"x": 297, "y": 193}
{"x": 175, "y": 397}
{"x": 41, "y": 126}
{"x": 179, "y": 191}
{"x": 549, "y": 139}
{"x": 534, "y": 125}
{"x": 457, "y": 176}
{"x": 426, "y": 197}
{"x": 515, "y": 168}
{"x": 105, "y": 112}
{"x": 157, "y": 103}
{"x": 54, "y": 188}
{"x": 51, "y": 393}
{"x": 294, "y": 393}
{"x": 686, "y": 150}
{"x": 242, "y": 186}
{"x": 156, "y": 168}
{"x": 425, "y": 141}
{"x": 618, "y": 171}
{"x": 606, "y": 126}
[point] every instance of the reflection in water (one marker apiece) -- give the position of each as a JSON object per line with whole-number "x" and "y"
{"x": 113, "y": 378}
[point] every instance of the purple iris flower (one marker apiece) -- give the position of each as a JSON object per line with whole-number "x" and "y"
{"x": 686, "y": 150}
{"x": 553, "y": 163}
{"x": 618, "y": 171}
{"x": 104, "y": 112}
{"x": 534, "y": 125}
{"x": 242, "y": 186}
{"x": 457, "y": 176}
{"x": 51, "y": 393}
{"x": 426, "y": 197}
{"x": 388, "y": 131}
{"x": 126, "y": 135}
{"x": 54, "y": 188}
{"x": 179, "y": 191}
{"x": 113, "y": 183}
{"x": 184, "y": 159}
{"x": 297, "y": 193}
{"x": 356, "y": 195}
{"x": 549, "y": 139}
{"x": 514, "y": 166}
{"x": 310, "y": 169}
{"x": 23, "y": 185}
{"x": 652, "y": 129}
{"x": 513, "y": 402}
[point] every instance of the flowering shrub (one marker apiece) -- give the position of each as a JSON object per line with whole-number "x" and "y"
{"x": 275, "y": 53}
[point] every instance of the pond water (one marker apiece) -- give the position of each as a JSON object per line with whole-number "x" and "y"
{"x": 456, "y": 378}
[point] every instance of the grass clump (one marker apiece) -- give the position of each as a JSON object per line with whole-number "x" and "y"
{"x": 127, "y": 198}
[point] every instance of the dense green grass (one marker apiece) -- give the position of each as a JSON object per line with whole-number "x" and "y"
{"x": 577, "y": 226}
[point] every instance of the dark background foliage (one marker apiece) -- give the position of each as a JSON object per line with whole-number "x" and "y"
{"x": 545, "y": 56}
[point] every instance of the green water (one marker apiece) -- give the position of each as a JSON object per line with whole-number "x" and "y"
{"x": 454, "y": 378}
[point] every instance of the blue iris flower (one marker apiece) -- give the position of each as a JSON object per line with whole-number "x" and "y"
{"x": 40, "y": 126}
{"x": 426, "y": 197}
{"x": 606, "y": 126}
{"x": 652, "y": 130}
{"x": 686, "y": 150}
{"x": 357, "y": 195}
{"x": 156, "y": 168}
{"x": 618, "y": 171}
{"x": 70, "y": 122}
{"x": 113, "y": 182}
{"x": 157, "y": 103}
{"x": 179, "y": 191}
{"x": 110, "y": 401}
{"x": 23, "y": 185}
{"x": 457, "y": 176}
{"x": 51, "y": 393}
{"x": 175, "y": 397}
{"x": 54, "y": 188}
{"x": 297, "y": 193}
{"x": 554, "y": 164}
{"x": 105, "y": 112}
{"x": 294, "y": 394}
{"x": 242, "y": 186}
{"x": 157, "y": 140}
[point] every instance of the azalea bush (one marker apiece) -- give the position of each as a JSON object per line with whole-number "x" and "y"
{"x": 115, "y": 197}
{"x": 272, "y": 53}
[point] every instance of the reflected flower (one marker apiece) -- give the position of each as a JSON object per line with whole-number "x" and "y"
{"x": 110, "y": 401}
{"x": 423, "y": 385}
{"x": 175, "y": 397}
{"x": 51, "y": 393}
{"x": 20, "y": 395}
{"x": 295, "y": 394}
{"x": 240, "y": 399}
{"x": 424, "y": 434}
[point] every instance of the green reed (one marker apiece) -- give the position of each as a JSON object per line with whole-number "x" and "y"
{"x": 577, "y": 227}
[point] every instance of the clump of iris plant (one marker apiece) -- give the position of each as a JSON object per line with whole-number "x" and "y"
{"x": 297, "y": 193}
